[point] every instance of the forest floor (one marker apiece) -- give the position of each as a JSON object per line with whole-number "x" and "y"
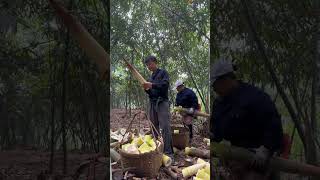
{"x": 27, "y": 163}
{"x": 121, "y": 119}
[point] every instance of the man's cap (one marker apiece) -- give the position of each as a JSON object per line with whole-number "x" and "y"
{"x": 220, "y": 68}
{"x": 150, "y": 58}
{"x": 177, "y": 84}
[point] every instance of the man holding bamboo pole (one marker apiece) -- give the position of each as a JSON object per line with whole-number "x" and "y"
{"x": 157, "y": 89}
{"x": 186, "y": 98}
{"x": 246, "y": 117}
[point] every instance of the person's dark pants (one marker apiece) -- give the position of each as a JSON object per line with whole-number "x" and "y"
{"x": 187, "y": 121}
{"x": 160, "y": 117}
{"x": 191, "y": 131}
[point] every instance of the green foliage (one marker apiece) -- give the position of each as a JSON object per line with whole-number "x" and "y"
{"x": 32, "y": 62}
{"x": 174, "y": 31}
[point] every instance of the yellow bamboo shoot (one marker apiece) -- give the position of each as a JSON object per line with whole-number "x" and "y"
{"x": 144, "y": 148}
{"x": 199, "y": 161}
{"x": 207, "y": 169}
{"x": 203, "y": 175}
{"x": 192, "y": 170}
{"x": 196, "y": 178}
{"x": 138, "y": 141}
{"x": 135, "y": 73}
{"x": 175, "y": 131}
{"x": 166, "y": 160}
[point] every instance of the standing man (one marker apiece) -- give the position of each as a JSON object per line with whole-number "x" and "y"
{"x": 157, "y": 89}
{"x": 246, "y": 117}
{"x": 187, "y": 99}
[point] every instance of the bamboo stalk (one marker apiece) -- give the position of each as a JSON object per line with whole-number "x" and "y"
{"x": 276, "y": 163}
{"x": 197, "y": 113}
{"x": 93, "y": 49}
{"x": 135, "y": 73}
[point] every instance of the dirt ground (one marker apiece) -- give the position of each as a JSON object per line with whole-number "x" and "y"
{"x": 121, "y": 119}
{"x": 30, "y": 164}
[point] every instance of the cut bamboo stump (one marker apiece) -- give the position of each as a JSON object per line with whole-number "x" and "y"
{"x": 276, "y": 163}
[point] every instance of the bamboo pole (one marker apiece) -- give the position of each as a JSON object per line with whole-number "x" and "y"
{"x": 135, "y": 73}
{"x": 197, "y": 113}
{"x": 93, "y": 49}
{"x": 276, "y": 163}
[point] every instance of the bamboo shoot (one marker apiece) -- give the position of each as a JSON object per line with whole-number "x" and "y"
{"x": 166, "y": 160}
{"x": 192, "y": 170}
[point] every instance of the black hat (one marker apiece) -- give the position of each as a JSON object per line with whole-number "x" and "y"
{"x": 150, "y": 58}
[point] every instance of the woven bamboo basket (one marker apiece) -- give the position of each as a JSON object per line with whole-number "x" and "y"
{"x": 143, "y": 165}
{"x": 146, "y": 164}
{"x": 180, "y": 140}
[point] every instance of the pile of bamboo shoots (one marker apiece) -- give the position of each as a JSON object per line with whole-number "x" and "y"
{"x": 141, "y": 144}
{"x": 199, "y": 171}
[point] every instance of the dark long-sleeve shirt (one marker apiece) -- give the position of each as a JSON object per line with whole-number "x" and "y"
{"x": 160, "y": 85}
{"x": 247, "y": 118}
{"x": 187, "y": 99}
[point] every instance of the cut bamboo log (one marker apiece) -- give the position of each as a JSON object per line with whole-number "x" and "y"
{"x": 197, "y": 152}
{"x": 197, "y": 113}
{"x": 93, "y": 49}
{"x": 276, "y": 163}
{"x": 135, "y": 73}
{"x": 115, "y": 156}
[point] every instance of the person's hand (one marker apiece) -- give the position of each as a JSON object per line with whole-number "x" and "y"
{"x": 147, "y": 85}
{"x": 261, "y": 158}
{"x": 190, "y": 111}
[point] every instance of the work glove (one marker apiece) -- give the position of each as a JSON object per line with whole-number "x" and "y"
{"x": 190, "y": 111}
{"x": 261, "y": 158}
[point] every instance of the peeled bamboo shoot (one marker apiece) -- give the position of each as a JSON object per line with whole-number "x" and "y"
{"x": 199, "y": 161}
{"x": 166, "y": 161}
{"x": 175, "y": 131}
{"x": 192, "y": 170}
{"x": 203, "y": 175}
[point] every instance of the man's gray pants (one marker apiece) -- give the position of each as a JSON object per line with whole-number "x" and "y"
{"x": 160, "y": 117}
